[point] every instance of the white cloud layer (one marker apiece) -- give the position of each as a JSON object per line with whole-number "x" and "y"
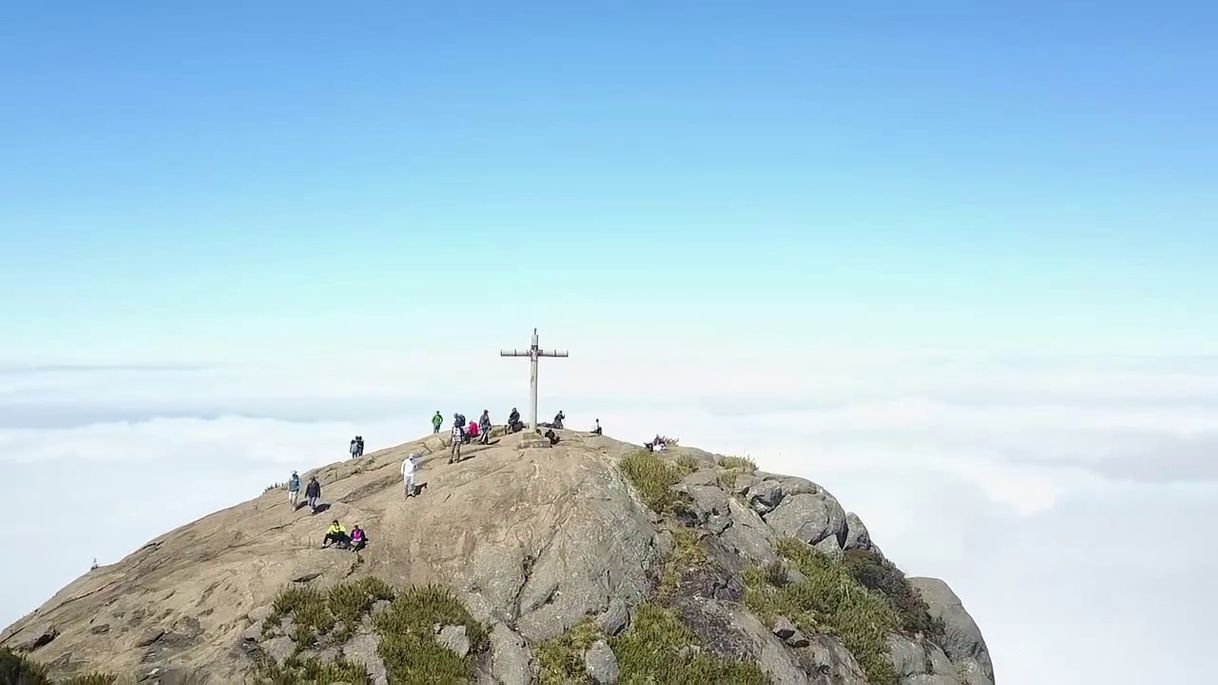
{"x": 1067, "y": 500}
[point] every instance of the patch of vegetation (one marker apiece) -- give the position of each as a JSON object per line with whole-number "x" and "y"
{"x": 658, "y": 648}
{"x": 335, "y": 613}
{"x": 653, "y": 478}
{"x": 295, "y": 671}
{"x": 95, "y": 678}
{"x": 687, "y": 465}
{"x": 15, "y": 668}
{"x": 272, "y": 486}
{"x": 561, "y": 660}
{"x": 408, "y": 643}
{"x": 743, "y": 464}
{"x": 874, "y": 572}
{"x": 828, "y": 601}
{"x": 687, "y": 552}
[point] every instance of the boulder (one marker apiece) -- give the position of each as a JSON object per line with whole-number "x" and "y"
{"x": 962, "y": 638}
{"x": 454, "y": 639}
{"x": 831, "y": 662}
{"x": 908, "y": 658}
{"x": 829, "y": 547}
{"x": 796, "y": 639}
{"x": 808, "y": 517}
{"x": 279, "y": 648}
{"x": 509, "y": 656}
{"x": 149, "y": 636}
{"x": 743, "y": 482}
{"x": 748, "y": 535}
{"x": 613, "y": 619}
{"x": 783, "y": 627}
{"x": 703, "y": 477}
{"x": 361, "y": 649}
{"x": 41, "y": 638}
{"x": 857, "y": 536}
{"x": 765, "y": 495}
{"x": 600, "y": 663}
{"x": 971, "y": 673}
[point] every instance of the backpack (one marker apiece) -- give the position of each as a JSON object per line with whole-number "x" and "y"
{"x": 461, "y": 420}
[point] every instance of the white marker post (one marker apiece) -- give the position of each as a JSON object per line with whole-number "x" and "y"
{"x": 533, "y": 353}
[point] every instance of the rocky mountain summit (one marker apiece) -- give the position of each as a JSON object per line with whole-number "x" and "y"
{"x": 588, "y": 561}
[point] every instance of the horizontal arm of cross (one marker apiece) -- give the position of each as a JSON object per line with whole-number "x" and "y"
{"x": 551, "y": 353}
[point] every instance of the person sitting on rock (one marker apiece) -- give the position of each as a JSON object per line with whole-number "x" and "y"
{"x": 358, "y": 539}
{"x": 515, "y": 425}
{"x": 484, "y": 427}
{"x": 558, "y": 418}
{"x": 552, "y": 437}
{"x": 336, "y": 534}
{"x": 472, "y": 432}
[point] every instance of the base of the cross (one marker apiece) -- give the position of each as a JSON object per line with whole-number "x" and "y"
{"x": 530, "y": 440}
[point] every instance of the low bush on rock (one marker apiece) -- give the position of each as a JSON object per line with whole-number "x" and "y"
{"x": 659, "y": 648}
{"x": 295, "y": 671}
{"x": 406, "y": 631}
{"x": 830, "y": 601}
{"x": 408, "y": 643}
{"x": 15, "y": 668}
{"x": 745, "y": 464}
{"x": 561, "y": 660}
{"x": 687, "y": 553}
{"x": 19, "y": 670}
{"x": 653, "y": 478}
{"x": 875, "y": 572}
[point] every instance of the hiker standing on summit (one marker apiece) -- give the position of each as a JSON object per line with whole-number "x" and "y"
{"x": 436, "y": 422}
{"x": 454, "y": 454}
{"x": 294, "y": 490}
{"x": 312, "y": 493}
{"x": 484, "y": 427}
{"x": 409, "y": 464}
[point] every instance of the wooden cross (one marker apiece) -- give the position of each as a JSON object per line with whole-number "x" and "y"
{"x": 533, "y": 353}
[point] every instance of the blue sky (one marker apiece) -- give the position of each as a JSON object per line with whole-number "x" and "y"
{"x": 1011, "y": 177}
{"x": 953, "y": 261}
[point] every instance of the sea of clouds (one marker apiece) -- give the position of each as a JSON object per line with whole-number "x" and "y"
{"x": 1068, "y": 500}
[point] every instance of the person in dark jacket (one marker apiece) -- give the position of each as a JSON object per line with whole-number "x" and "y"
{"x": 514, "y": 423}
{"x": 312, "y": 493}
{"x": 484, "y": 427}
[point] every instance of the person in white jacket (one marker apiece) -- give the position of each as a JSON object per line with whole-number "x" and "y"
{"x": 409, "y": 464}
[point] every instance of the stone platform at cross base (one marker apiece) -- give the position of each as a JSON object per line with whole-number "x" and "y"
{"x": 533, "y": 441}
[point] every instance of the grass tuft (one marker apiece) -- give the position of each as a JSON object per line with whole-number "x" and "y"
{"x": 874, "y": 572}
{"x": 408, "y": 644}
{"x": 561, "y": 660}
{"x": 15, "y": 668}
{"x": 659, "y": 648}
{"x": 743, "y": 464}
{"x": 295, "y": 671}
{"x": 654, "y": 478}
{"x": 829, "y": 601}
{"x": 687, "y": 553}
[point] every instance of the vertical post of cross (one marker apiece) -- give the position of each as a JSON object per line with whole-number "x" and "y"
{"x": 534, "y": 353}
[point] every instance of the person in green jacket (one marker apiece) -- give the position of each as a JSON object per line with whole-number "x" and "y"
{"x": 436, "y": 422}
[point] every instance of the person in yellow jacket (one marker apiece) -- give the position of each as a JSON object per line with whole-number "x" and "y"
{"x": 336, "y": 534}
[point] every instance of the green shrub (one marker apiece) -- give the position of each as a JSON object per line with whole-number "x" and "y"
{"x": 687, "y": 465}
{"x": 654, "y": 650}
{"x": 561, "y": 660}
{"x": 745, "y": 464}
{"x": 311, "y": 672}
{"x": 687, "y": 553}
{"x": 90, "y": 679}
{"x": 408, "y": 644}
{"x": 19, "y": 670}
{"x": 653, "y": 478}
{"x": 828, "y": 601}
{"x": 874, "y": 572}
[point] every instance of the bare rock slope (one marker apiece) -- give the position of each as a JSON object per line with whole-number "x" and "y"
{"x": 544, "y": 547}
